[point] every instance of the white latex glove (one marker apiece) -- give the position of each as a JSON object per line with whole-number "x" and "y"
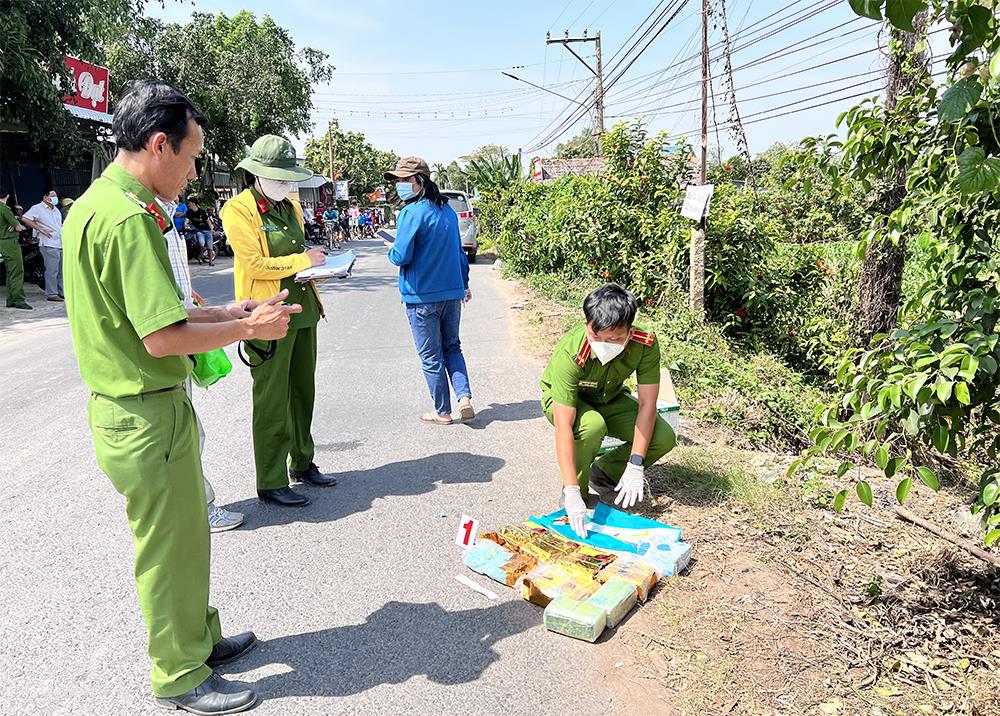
{"x": 576, "y": 510}
{"x": 630, "y": 487}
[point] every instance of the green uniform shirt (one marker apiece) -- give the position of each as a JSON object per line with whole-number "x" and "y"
{"x": 285, "y": 236}
{"x": 7, "y": 220}
{"x": 575, "y": 373}
{"x": 119, "y": 288}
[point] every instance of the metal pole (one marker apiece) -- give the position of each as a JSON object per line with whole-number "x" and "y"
{"x": 329, "y": 147}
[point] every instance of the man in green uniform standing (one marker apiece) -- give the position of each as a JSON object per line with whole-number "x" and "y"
{"x": 10, "y": 252}
{"x": 132, "y": 337}
{"x": 585, "y": 398}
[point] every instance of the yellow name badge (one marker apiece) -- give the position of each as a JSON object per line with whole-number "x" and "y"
{"x": 588, "y": 384}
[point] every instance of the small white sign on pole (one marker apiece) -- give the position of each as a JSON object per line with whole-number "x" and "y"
{"x": 468, "y": 532}
{"x": 696, "y": 201}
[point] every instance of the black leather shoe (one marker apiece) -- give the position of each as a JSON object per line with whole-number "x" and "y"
{"x": 23, "y": 306}
{"x": 313, "y": 476}
{"x": 212, "y": 696}
{"x": 286, "y": 497}
{"x": 231, "y": 648}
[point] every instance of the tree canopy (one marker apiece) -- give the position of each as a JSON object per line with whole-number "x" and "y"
{"x": 33, "y": 77}
{"x": 579, "y": 147}
{"x": 354, "y": 159}
{"x": 245, "y": 74}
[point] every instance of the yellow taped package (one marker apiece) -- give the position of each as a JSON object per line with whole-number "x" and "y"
{"x": 643, "y": 577}
{"x": 517, "y": 566}
{"x": 518, "y": 535}
{"x": 548, "y": 581}
{"x": 549, "y": 547}
{"x": 587, "y": 558}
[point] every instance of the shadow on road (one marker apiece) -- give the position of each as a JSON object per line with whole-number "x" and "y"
{"x": 506, "y": 413}
{"x": 357, "y": 490}
{"x": 399, "y": 641}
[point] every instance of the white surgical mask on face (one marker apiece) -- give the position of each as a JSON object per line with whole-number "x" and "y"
{"x": 54, "y": 200}
{"x": 606, "y": 352}
{"x": 275, "y": 190}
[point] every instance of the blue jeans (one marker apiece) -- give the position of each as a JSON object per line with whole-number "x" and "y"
{"x": 204, "y": 238}
{"x": 435, "y": 329}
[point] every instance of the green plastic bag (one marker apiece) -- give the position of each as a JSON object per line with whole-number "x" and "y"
{"x": 210, "y": 367}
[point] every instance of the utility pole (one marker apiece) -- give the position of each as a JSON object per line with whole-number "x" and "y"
{"x": 329, "y": 148}
{"x": 696, "y": 291}
{"x": 598, "y": 73}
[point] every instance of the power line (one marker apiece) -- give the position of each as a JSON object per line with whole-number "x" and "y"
{"x": 574, "y": 117}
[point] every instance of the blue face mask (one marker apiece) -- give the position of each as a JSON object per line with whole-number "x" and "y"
{"x": 404, "y": 190}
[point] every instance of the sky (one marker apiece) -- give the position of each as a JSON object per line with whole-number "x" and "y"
{"x": 424, "y": 78}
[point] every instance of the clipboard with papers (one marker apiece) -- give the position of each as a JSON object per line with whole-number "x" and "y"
{"x": 338, "y": 266}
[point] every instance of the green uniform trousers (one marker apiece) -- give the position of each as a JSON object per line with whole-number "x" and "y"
{"x": 617, "y": 419}
{"x": 10, "y": 250}
{"x": 148, "y": 447}
{"x": 284, "y": 391}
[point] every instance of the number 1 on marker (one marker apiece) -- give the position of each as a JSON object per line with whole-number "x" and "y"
{"x": 468, "y": 532}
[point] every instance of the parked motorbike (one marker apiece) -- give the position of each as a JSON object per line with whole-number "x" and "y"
{"x": 222, "y": 247}
{"x": 34, "y": 264}
{"x": 196, "y": 251}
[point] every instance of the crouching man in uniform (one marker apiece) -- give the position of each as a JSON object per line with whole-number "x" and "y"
{"x": 585, "y": 398}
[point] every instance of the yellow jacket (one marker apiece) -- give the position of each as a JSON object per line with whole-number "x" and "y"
{"x": 256, "y": 273}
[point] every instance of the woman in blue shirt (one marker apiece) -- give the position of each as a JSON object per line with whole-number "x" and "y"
{"x": 433, "y": 283}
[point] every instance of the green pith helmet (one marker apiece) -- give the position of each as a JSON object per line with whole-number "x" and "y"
{"x": 273, "y": 157}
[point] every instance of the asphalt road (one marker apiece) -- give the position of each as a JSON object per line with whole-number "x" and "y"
{"x": 353, "y": 597}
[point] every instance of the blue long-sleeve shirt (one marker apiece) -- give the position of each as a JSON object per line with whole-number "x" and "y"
{"x": 428, "y": 251}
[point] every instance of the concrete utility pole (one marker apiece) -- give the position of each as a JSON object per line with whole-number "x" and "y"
{"x": 329, "y": 145}
{"x": 696, "y": 291}
{"x": 598, "y": 76}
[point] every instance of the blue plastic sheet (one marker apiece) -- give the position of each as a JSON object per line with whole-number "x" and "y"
{"x": 607, "y": 516}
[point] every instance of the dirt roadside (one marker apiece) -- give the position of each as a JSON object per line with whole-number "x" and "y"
{"x": 787, "y": 607}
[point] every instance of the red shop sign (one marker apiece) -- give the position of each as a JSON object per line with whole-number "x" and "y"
{"x": 90, "y": 85}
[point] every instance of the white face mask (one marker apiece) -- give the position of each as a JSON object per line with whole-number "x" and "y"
{"x": 54, "y": 200}
{"x": 275, "y": 190}
{"x": 606, "y": 352}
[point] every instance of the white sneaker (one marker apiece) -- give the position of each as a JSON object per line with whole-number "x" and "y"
{"x": 221, "y": 519}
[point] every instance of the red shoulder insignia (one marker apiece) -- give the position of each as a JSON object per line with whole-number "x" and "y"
{"x": 584, "y": 355}
{"x": 644, "y": 338}
{"x": 261, "y": 207}
{"x": 154, "y": 209}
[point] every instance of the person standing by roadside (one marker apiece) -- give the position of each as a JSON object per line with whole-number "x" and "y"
{"x": 267, "y": 232}
{"x": 433, "y": 283}
{"x": 133, "y": 338}
{"x": 354, "y": 213}
{"x": 202, "y": 227}
{"x": 47, "y": 221}
{"x": 180, "y": 216}
{"x": 10, "y": 252}
{"x": 219, "y": 518}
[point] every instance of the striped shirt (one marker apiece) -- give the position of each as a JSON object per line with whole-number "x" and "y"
{"x": 177, "y": 251}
